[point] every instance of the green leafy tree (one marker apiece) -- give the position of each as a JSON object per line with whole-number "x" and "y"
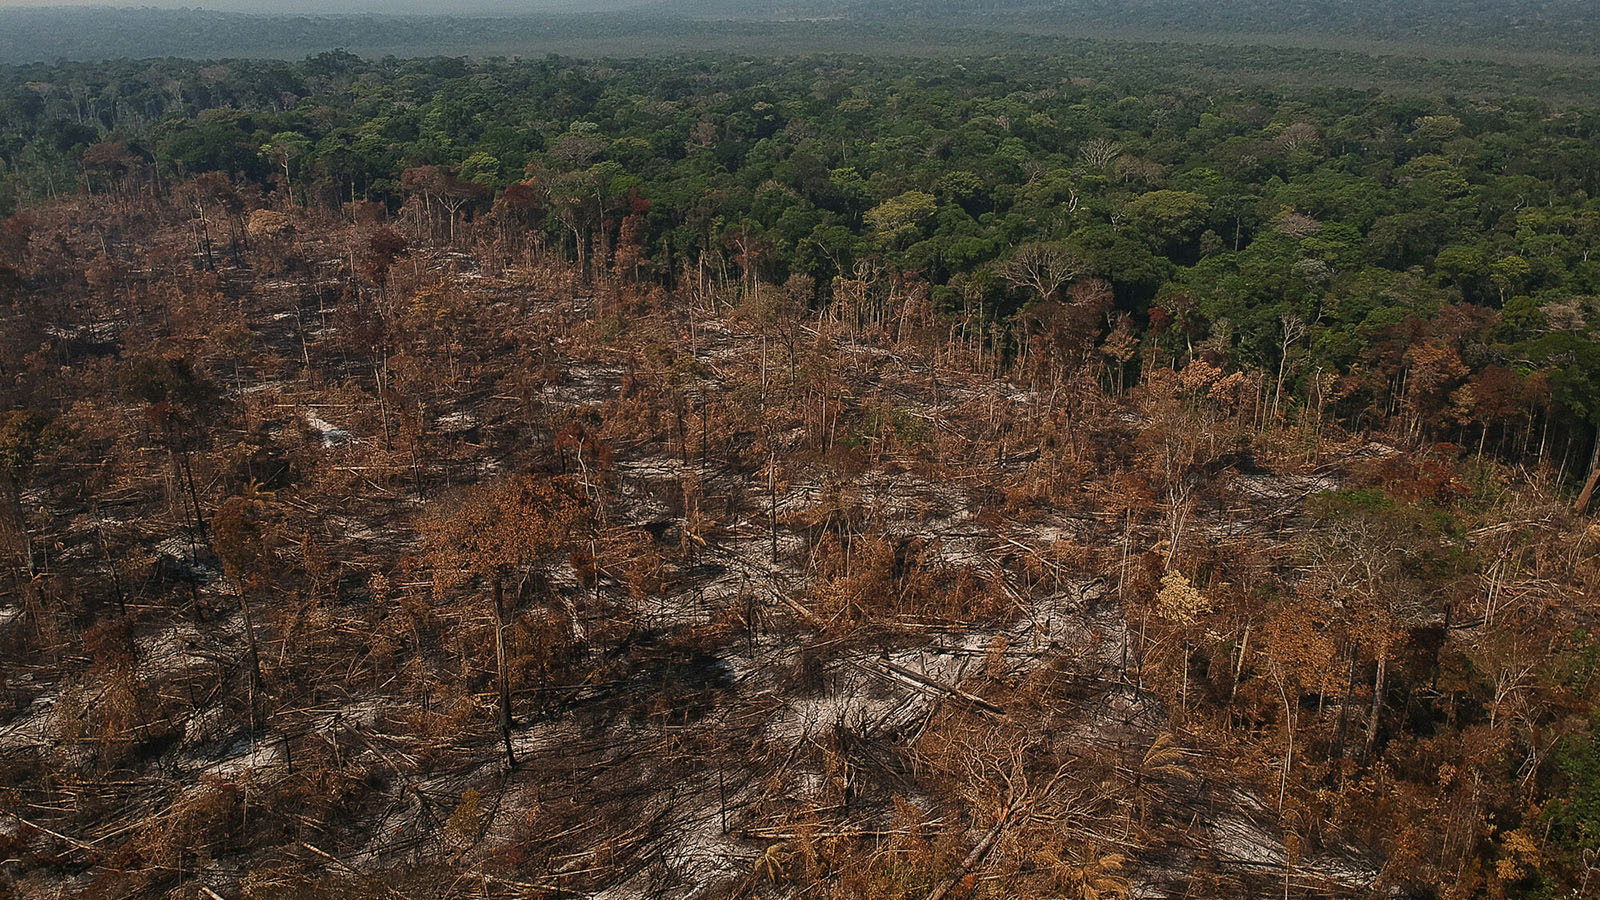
{"x": 895, "y": 221}
{"x": 283, "y": 151}
{"x": 1168, "y": 219}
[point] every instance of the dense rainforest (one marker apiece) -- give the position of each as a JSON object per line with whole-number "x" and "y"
{"x": 1018, "y": 475}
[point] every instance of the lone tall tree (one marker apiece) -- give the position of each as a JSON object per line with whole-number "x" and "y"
{"x": 282, "y": 150}
{"x": 509, "y": 531}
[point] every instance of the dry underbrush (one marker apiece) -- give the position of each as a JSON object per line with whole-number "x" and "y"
{"x": 758, "y": 601}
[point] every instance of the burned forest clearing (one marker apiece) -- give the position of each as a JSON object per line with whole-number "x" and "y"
{"x": 826, "y": 479}
{"x": 484, "y": 565}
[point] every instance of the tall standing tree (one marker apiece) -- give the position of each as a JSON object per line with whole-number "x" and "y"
{"x": 508, "y": 532}
{"x": 283, "y": 150}
{"x": 243, "y": 542}
{"x": 21, "y": 435}
{"x": 180, "y": 403}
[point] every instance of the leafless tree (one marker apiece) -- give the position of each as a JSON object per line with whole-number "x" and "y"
{"x": 1043, "y": 269}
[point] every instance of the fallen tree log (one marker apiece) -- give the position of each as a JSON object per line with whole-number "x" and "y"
{"x": 978, "y": 852}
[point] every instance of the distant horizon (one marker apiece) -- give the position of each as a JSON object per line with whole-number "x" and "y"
{"x": 1549, "y": 33}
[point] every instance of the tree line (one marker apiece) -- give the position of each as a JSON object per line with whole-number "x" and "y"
{"x": 1378, "y": 251}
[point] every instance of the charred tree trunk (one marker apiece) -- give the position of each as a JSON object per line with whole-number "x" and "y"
{"x": 1582, "y": 505}
{"x": 1377, "y": 699}
{"x": 502, "y": 678}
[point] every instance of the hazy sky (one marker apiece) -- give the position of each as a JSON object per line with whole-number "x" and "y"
{"x": 350, "y": 6}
